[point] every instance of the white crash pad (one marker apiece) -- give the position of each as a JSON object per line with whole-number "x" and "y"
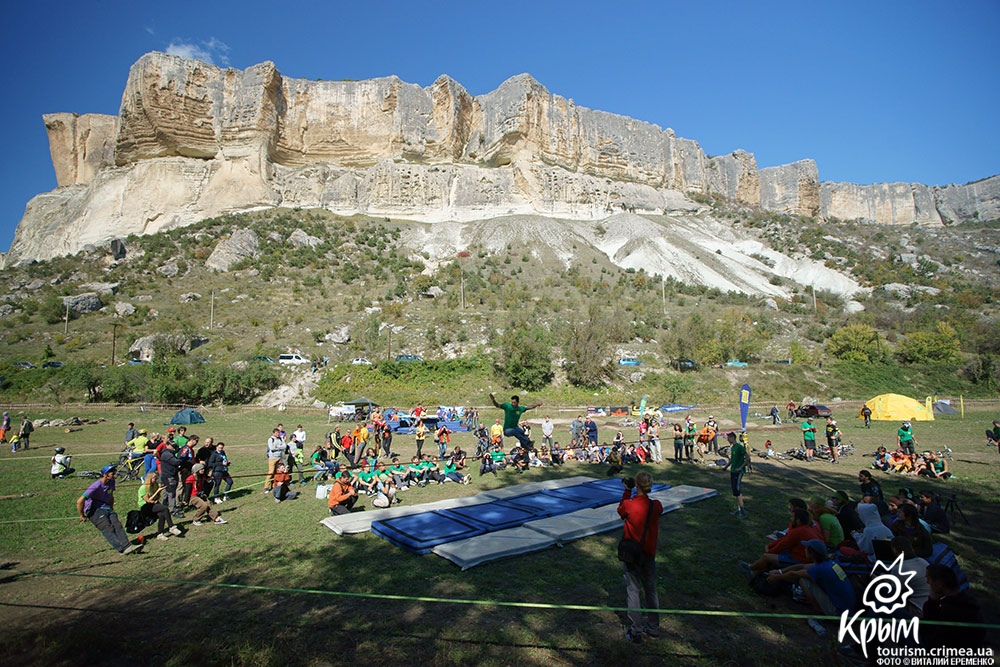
{"x": 492, "y": 546}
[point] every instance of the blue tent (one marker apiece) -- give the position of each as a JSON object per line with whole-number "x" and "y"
{"x": 187, "y": 416}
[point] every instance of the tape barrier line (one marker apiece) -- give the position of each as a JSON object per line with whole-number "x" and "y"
{"x": 482, "y": 603}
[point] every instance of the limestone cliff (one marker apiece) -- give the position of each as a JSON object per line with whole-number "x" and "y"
{"x": 192, "y": 140}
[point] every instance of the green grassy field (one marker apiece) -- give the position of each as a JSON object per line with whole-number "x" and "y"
{"x": 275, "y": 587}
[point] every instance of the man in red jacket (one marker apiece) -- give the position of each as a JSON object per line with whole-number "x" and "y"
{"x": 642, "y": 524}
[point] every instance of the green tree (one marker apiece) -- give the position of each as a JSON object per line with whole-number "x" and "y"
{"x": 588, "y": 346}
{"x": 674, "y": 385}
{"x": 524, "y": 356}
{"x": 938, "y": 346}
{"x": 856, "y": 342}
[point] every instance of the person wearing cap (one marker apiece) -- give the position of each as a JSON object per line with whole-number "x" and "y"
{"x": 832, "y": 439}
{"x": 60, "y": 464}
{"x": 170, "y": 476}
{"x": 905, "y": 440}
{"x": 713, "y": 444}
{"x": 137, "y": 445}
{"x": 809, "y": 438}
{"x": 195, "y": 485}
{"x": 97, "y": 505}
{"x": 824, "y": 583}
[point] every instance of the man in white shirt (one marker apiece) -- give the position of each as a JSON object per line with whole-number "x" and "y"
{"x": 547, "y": 428}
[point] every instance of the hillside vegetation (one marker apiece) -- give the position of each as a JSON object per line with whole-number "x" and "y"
{"x": 491, "y": 321}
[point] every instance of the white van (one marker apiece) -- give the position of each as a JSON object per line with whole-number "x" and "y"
{"x": 292, "y": 359}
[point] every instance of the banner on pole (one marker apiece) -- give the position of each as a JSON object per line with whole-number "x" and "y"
{"x": 744, "y": 405}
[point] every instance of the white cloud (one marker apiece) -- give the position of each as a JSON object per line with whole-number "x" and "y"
{"x": 211, "y": 51}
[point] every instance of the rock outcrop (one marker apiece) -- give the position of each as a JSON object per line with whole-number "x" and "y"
{"x": 193, "y": 141}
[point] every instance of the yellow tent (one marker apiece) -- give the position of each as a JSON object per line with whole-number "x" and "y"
{"x": 893, "y": 407}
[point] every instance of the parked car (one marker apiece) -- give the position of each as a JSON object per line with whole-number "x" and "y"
{"x": 265, "y": 359}
{"x": 808, "y": 410}
{"x": 52, "y": 364}
{"x": 406, "y": 358}
{"x": 23, "y": 364}
{"x": 360, "y": 361}
{"x": 685, "y": 365}
{"x": 293, "y": 360}
{"x": 736, "y": 363}
{"x": 629, "y": 361}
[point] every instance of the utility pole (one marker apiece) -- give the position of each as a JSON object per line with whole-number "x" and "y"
{"x": 462, "y": 274}
{"x": 114, "y": 341}
{"x": 211, "y": 317}
{"x": 66, "y": 321}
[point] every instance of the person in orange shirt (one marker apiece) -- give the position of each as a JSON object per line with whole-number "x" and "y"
{"x": 343, "y": 495}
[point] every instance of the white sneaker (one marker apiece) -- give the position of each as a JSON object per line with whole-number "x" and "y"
{"x": 174, "y": 530}
{"x": 218, "y": 501}
{"x": 162, "y": 537}
{"x": 221, "y": 520}
{"x": 131, "y": 549}
{"x": 225, "y": 499}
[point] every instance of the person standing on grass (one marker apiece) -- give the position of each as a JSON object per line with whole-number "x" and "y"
{"x": 170, "y": 475}
{"x": 809, "y": 438}
{"x": 130, "y": 433}
{"x": 420, "y": 433}
{"x": 512, "y": 412}
{"x": 24, "y": 433}
{"x": 97, "y": 505}
{"x": 547, "y": 429}
{"x": 737, "y": 466}
{"x": 642, "y": 524}
{"x": 4, "y": 426}
{"x": 905, "y": 440}
{"x": 832, "y": 437}
{"x": 276, "y": 449}
{"x": 221, "y": 474}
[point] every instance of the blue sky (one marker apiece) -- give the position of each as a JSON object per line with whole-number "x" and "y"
{"x": 873, "y": 91}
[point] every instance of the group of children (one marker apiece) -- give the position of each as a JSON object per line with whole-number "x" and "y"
{"x": 928, "y": 464}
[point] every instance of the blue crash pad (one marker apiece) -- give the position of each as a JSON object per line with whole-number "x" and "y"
{"x": 419, "y": 533}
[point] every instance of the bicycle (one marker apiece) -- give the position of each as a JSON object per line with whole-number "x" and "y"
{"x": 130, "y": 468}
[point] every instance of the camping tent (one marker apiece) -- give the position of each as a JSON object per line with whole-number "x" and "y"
{"x": 187, "y": 416}
{"x": 893, "y": 407}
{"x": 942, "y": 408}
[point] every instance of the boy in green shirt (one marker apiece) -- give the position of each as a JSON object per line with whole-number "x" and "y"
{"x": 809, "y": 438}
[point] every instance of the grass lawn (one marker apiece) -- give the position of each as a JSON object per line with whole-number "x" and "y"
{"x": 275, "y": 587}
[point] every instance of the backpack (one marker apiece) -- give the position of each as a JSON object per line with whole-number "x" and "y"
{"x": 135, "y": 521}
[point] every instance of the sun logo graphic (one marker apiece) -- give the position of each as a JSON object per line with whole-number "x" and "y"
{"x": 890, "y": 589}
{"x": 887, "y": 592}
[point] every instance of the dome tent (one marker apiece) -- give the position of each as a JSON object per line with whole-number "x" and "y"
{"x": 187, "y": 416}
{"x": 894, "y": 407}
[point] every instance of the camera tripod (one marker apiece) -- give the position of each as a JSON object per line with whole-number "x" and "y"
{"x": 951, "y": 506}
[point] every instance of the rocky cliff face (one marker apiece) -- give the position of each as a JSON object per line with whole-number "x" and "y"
{"x": 193, "y": 141}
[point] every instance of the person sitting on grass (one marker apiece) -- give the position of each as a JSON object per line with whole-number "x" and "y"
{"x": 282, "y": 480}
{"x": 874, "y": 530}
{"x": 60, "y": 464}
{"x": 451, "y": 472}
{"x": 458, "y": 457}
{"x": 881, "y": 461}
{"x": 787, "y": 549}
{"x": 908, "y": 525}
{"x": 931, "y": 512}
{"x": 321, "y": 463}
{"x": 519, "y": 458}
{"x": 824, "y": 583}
{"x": 488, "y": 464}
{"x": 399, "y": 473}
{"x": 871, "y": 490}
{"x": 365, "y": 481}
{"x": 416, "y": 473}
{"x": 151, "y": 507}
{"x": 948, "y": 603}
{"x": 195, "y": 488}
{"x": 936, "y": 468}
{"x": 557, "y": 454}
{"x": 826, "y": 518}
{"x": 431, "y": 470}
{"x": 343, "y": 495}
